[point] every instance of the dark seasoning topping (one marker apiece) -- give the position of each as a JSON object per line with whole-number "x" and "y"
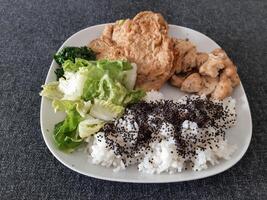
{"x": 151, "y": 116}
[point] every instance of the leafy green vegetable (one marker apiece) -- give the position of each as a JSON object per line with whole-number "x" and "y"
{"x": 70, "y": 53}
{"x": 129, "y": 77}
{"x": 134, "y": 96}
{"x": 81, "y": 106}
{"x": 73, "y": 84}
{"x": 89, "y": 126}
{"x": 51, "y": 91}
{"x": 112, "y": 91}
{"x": 91, "y": 93}
{"x": 70, "y": 66}
{"x": 115, "y": 68}
{"x": 59, "y": 72}
{"x": 65, "y": 134}
{"x": 105, "y": 110}
{"x": 105, "y": 79}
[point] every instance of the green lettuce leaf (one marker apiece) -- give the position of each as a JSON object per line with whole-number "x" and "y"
{"x": 81, "y": 106}
{"x": 91, "y": 93}
{"x": 73, "y": 84}
{"x": 70, "y": 66}
{"x": 105, "y": 110}
{"x": 65, "y": 134}
{"x": 134, "y": 96}
{"x": 71, "y": 53}
{"x": 89, "y": 126}
{"x": 51, "y": 91}
{"x": 111, "y": 91}
{"x": 129, "y": 77}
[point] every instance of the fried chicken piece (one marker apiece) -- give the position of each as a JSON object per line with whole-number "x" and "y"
{"x": 212, "y": 66}
{"x": 105, "y": 50}
{"x": 177, "y": 80}
{"x": 107, "y": 33}
{"x": 193, "y": 83}
{"x": 209, "y": 85}
{"x": 223, "y": 89}
{"x": 231, "y": 72}
{"x": 217, "y": 74}
{"x": 181, "y": 48}
{"x": 150, "y": 21}
{"x": 189, "y": 61}
{"x": 186, "y": 57}
{"x": 143, "y": 40}
{"x": 201, "y": 58}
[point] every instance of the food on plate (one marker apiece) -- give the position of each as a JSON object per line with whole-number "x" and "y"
{"x": 101, "y": 88}
{"x": 144, "y": 40}
{"x": 160, "y": 135}
{"x": 213, "y": 74}
{"x": 70, "y": 53}
{"x": 193, "y": 83}
{"x": 186, "y": 57}
{"x": 91, "y": 93}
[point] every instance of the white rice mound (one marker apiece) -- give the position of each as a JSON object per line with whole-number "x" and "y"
{"x": 102, "y": 156}
{"x": 162, "y": 156}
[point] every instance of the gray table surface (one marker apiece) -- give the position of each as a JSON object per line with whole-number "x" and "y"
{"x": 31, "y": 31}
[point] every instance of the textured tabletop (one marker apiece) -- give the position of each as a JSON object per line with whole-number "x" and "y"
{"x": 31, "y": 31}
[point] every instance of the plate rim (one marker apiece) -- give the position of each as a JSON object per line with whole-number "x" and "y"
{"x": 240, "y": 156}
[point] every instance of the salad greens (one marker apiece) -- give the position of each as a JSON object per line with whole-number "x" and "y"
{"x": 59, "y": 72}
{"x": 89, "y": 126}
{"x": 106, "y": 110}
{"x": 65, "y": 134}
{"x": 90, "y": 93}
{"x": 70, "y": 53}
{"x": 51, "y": 91}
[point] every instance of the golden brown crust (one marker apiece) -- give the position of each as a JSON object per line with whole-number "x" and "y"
{"x": 177, "y": 80}
{"x": 144, "y": 41}
{"x": 223, "y": 89}
{"x": 105, "y": 50}
{"x": 209, "y": 85}
{"x": 212, "y": 66}
{"x": 192, "y": 83}
{"x": 201, "y": 58}
{"x": 181, "y": 48}
{"x": 216, "y": 70}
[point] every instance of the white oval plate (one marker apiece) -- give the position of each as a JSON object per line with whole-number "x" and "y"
{"x": 79, "y": 162}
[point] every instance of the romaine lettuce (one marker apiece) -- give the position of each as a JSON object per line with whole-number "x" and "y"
{"x": 51, "y": 91}
{"x": 89, "y": 126}
{"x": 133, "y": 96}
{"x": 81, "y": 106}
{"x": 129, "y": 77}
{"x": 65, "y": 134}
{"x": 111, "y": 91}
{"x": 91, "y": 93}
{"x": 73, "y": 83}
{"x": 105, "y": 110}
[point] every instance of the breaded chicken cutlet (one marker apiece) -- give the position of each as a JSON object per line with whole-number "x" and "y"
{"x": 144, "y": 40}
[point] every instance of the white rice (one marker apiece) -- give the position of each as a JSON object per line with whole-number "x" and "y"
{"x": 162, "y": 156}
{"x": 104, "y": 156}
